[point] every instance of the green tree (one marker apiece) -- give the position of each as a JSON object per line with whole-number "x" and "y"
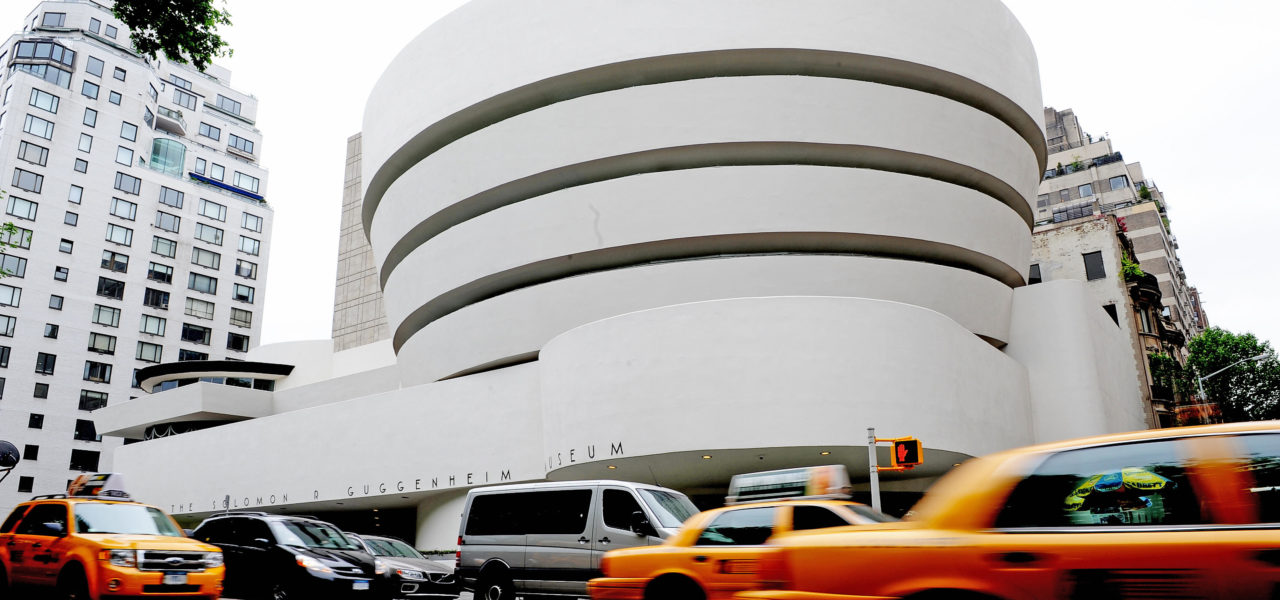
{"x": 1249, "y": 391}
{"x": 185, "y": 30}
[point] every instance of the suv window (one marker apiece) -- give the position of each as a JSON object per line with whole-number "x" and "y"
{"x": 252, "y": 529}
{"x": 814, "y": 517}
{"x": 1140, "y": 483}
{"x": 13, "y": 518}
{"x": 744, "y": 527}
{"x": 214, "y": 531}
{"x": 40, "y": 515}
{"x": 618, "y": 506}
{"x": 1262, "y": 460}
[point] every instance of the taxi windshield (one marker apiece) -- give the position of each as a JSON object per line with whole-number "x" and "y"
{"x": 670, "y": 508}
{"x": 130, "y": 519}
{"x": 311, "y": 535}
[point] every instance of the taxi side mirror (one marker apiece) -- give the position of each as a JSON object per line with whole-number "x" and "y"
{"x": 640, "y": 525}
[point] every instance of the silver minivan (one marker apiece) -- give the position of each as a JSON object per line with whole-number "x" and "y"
{"x": 547, "y": 538}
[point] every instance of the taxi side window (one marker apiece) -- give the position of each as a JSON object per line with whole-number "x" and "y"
{"x": 13, "y": 519}
{"x": 745, "y": 527}
{"x": 1139, "y": 483}
{"x": 618, "y": 507}
{"x": 814, "y": 517}
{"x": 42, "y": 515}
{"x": 1262, "y": 461}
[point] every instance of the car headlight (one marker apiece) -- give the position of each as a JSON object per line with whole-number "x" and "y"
{"x": 379, "y": 567}
{"x": 120, "y": 558}
{"x": 312, "y": 564}
{"x": 411, "y": 574}
{"x": 212, "y": 559}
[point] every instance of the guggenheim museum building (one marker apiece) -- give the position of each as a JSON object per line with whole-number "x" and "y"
{"x": 660, "y": 241}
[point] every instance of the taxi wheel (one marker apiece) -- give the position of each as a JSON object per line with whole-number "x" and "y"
{"x": 674, "y": 588}
{"x": 72, "y": 584}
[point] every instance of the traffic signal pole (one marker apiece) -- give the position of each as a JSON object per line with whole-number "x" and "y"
{"x": 873, "y": 462}
{"x": 906, "y": 454}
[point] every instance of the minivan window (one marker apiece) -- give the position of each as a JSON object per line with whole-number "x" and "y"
{"x": 494, "y": 514}
{"x": 618, "y": 507}
{"x": 311, "y": 535}
{"x": 130, "y": 519}
{"x": 559, "y": 511}
{"x": 671, "y": 509}
{"x": 1262, "y": 461}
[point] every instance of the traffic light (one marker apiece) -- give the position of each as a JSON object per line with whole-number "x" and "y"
{"x": 906, "y": 453}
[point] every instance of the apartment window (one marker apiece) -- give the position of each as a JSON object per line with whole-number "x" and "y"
{"x": 217, "y": 172}
{"x": 202, "y": 283}
{"x": 90, "y": 117}
{"x": 200, "y": 166}
{"x": 55, "y": 301}
{"x": 66, "y": 246}
{"x": 102, "y": 343}
{"x": 199, "y": 308}
{"x": 124, "y": 208}
{"x": 44, "y": 100}
{"x": 26, "y": 483}
{"x": 22, "y": 209}
{"x": 184, "y": 99}
{"x": 115, "y": 261}
{"x": 241, "y": 317}
{"x": 114, "y": 98}
{"x": 9, "y": 295}
{"x": 51, "y": 330}
{"x": 156, "y": 299}
{"x": 1111, "y": 312}
{"x": 119, "y": 235}
{"x": 119, "y": 74}
{"x": 171, "y": 197}
{"x": 111, "y": 31}
{"x": 7, "y": 324}
{"x": 148, "y": 352}
{"x": 45, "y": 363}
{"x": 205, "y": 258}
{"x": 36, "y": 155}
{"x": 242, "y": 293}
{"x": 94, "y": 66}
{"x": 81, "y": 165}
{"x": 237, "y": 342}
{"x": 38, "y": 127}
{"x": 1118, "y": 182}
{"x": 167, "y": 221}
{"x": 228, "y": 105}
{"x": 61, "y": 273}
{"x": 26, "y": 180}
{"x": 213, "y": 210}
{"x": 240, "y": 143}
{"x": 1093, "y": 268}
{"x": 106, "y": 315}
{"x": 168, "y": 156}
{"x": 129, "y": 131}
{"x": 208, "y": 233}
{"x": 4, "y": 356}
{"x": 246, "y": 269}
{"x": 13, "y": 266}
{"x": 164, "y": 246}
{"x": 249, "y": 245}
{"x": 1086, "y": 190}
{"x": 30, "y": 452}
{"x": 251, "y": 222}
{"x": 180, "y": 82}
{"x": 128, "y": 183}
{"x": 147, "y": 116}
{"x": 110, "y": 288}
{"x": 71, "y": 218}
{"x": 85, "y": 461}
{"x": 97, "y": 372}
{"x": 210, "y": 131}
{"x": 53, "y": 19}
{"x": 151, "y": 324}
{"x": 35, "y": 421}
{"x": 245, "y": 182}
{"x": 91, "y": 400}
{"x": 196, "y": 334}
{"x": 151, "y": 91}
{"x": 41, "y": 391}
{"x": 124, "y": 156}
{"x": 20, "y": 237}
{"x": 159, "y": 272}
{"x": 86, "y": 143}
{"x": 95, "y": 25}
{"x": 89, "y": 89}
{"x": 1143, "y": 318}
{"x": 52, "y": 74}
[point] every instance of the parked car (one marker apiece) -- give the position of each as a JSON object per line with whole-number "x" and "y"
{"x": 547, "y": 538}
{"x": 289, "y": 557}
{"x": 1189, "y": 512}
{"x": 409, "y": 574}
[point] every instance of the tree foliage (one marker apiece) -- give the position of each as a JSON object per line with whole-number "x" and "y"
{"x": 1249, "y": 391}
{"x": 185, "y": 30}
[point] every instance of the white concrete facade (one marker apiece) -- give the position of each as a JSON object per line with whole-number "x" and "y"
{"x": 610, "y": 246}
{"x": 101, "y": 189}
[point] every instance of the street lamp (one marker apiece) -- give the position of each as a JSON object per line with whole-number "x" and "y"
{"x": 1200, "y": 380}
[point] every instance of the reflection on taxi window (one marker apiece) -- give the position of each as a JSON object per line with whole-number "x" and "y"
{"x": 745, "y": 527}
{"x": 1142, "y": 483}
{"x": 1262, "y": 462}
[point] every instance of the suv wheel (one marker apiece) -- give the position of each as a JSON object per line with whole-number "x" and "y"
{"x": 72, "y": 584}
{"x": 281, "y": 591}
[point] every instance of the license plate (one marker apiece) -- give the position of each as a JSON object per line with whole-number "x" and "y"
{"x": 360, "y": 585}
{"x": 175, "y": 579}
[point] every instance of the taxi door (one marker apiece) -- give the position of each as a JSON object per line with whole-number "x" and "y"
{"x": 32, "y": 555}
{"x": 726, "y": 555}
{"x": 1245, "y": 498}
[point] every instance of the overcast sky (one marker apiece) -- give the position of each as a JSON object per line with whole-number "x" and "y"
{"x": 1184, "y": 87}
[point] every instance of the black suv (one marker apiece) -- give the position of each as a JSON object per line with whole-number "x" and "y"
{"x": 288, "y": 557}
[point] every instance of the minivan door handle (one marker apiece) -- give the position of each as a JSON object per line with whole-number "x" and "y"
{"x": 583, "y": 540}
{"x": 604, "y": 540}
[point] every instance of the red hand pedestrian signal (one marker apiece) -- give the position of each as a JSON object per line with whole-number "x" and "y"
{"x": 902, "y": 452}
{"x": 906, "y": 453}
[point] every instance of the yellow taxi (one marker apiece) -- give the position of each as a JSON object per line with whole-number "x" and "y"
{"x": 1175, "y": 513}
{"x": 94, "y": 542}
{"x": 716, "y": 552}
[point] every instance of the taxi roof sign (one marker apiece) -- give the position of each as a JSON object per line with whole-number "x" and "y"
{"x": 822, "y": 482}
{"x": 102, "y": 485}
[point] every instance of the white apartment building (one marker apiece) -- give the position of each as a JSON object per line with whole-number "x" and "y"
{"x": 144, "y": 231}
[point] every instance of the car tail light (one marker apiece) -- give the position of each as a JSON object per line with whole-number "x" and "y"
{"x": 457, "y": 556}
{"x": 774, "y": 571}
